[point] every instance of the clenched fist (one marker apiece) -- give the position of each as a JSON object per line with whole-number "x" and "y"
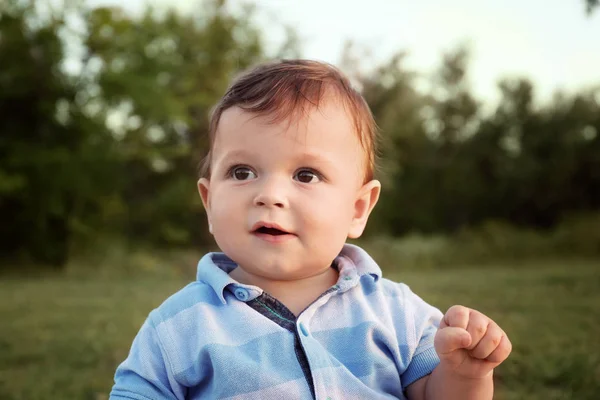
{"x": 469, "y": 343}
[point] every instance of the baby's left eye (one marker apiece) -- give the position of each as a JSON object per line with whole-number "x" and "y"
{"x": 307, "y": 176}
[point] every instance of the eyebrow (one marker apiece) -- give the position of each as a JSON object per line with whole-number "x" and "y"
{"x": 316, "y": 158}
{"x": 303, "y": 157}
{"x": 237, "y": 153}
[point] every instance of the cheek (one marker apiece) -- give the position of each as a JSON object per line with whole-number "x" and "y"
{"x": 225, "y": 206}
{"x": 227, "y": 222}
{"x": 330, "y": 210}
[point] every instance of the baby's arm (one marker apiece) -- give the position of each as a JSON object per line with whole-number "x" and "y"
{"x": 470, "y": 345}
{"x": 145, "y": 374}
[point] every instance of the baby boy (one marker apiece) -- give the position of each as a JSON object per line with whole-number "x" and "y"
{"x": 288, "y": 310}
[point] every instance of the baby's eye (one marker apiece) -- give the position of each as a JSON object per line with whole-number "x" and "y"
{"x": 307, "y": 176}
{"x": 242, "y": 173}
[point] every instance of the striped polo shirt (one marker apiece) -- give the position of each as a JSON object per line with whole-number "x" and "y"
{"x": 366, "y": 337}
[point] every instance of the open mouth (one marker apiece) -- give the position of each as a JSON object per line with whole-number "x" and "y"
{"x": 270, "y": 231}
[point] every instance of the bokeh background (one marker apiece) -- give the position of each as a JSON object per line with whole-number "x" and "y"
{"x": 490, "y": 163}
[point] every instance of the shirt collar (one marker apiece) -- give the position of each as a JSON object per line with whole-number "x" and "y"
{"x": 214, "y": 269}
{"x": 352, "y": 262}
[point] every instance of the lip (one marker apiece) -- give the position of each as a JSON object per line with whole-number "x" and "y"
{"x": 271, "y": 238}
{"x": 263, "y": 224}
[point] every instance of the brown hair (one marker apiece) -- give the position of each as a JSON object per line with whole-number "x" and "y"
{"x": 285, "y": 89}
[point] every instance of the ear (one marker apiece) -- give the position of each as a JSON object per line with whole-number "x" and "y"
{"x": 203, "y": 190}
{"x": 367, "y": 197}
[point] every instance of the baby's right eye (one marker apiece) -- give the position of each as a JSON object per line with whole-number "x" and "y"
{"x": 242, "y": 173}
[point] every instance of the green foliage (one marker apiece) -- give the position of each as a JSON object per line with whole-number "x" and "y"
{"x": 110, "y": 146}
{"x": 115, "y": 258}
{"x": 113, "y": 147}
{"x": 49, "y": 150}
{"x": 591, "y": 5}
{"x": 487, "y": 244}
{"x": 450, "y": 166}
{"x": 162, "y": 73}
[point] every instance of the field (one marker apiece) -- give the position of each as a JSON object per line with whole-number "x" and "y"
{"x": 61, "y": 337}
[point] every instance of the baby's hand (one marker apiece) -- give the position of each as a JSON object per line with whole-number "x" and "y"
{"x": 469, "y": 343}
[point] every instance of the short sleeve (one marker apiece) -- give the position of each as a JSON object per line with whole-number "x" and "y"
{"x": 424, "y": 321}
{"x": 145, "y": 374}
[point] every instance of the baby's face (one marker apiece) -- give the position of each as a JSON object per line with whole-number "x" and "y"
{"x": 282, "y": 197}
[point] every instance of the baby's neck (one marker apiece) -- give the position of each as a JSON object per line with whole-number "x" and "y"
{"x": 297, "y": 294}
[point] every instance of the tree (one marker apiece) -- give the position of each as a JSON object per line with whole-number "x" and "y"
{"x": 591, "y": 5}
{"x": 425, "y": 141}
{"x": 447, "y": 166}
{"x": 46, "y": 182}
{"x": 161, "y": 74}
{"x": 113, "y": 147}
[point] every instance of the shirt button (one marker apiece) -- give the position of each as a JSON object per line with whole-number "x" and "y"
{"x": 241, "y": 294}
{"x": 303, "y": 329}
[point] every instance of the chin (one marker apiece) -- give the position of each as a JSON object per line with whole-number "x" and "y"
{"x": 275, "y": 267}
{"x": 254, "y": 258}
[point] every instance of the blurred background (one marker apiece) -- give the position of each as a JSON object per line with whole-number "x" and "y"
{"x": 490, "y": 164}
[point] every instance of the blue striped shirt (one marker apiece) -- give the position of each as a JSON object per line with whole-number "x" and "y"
{"x": 364, "y": 338}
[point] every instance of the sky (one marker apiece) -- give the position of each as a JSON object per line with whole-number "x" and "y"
{"x": 554, "y": 43}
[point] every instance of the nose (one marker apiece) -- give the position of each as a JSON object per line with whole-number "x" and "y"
{"x": 272, "y": 193}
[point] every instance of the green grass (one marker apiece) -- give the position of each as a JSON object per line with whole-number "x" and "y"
{"x": 62, "y": 337}
{"x": 551, "y": 314}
